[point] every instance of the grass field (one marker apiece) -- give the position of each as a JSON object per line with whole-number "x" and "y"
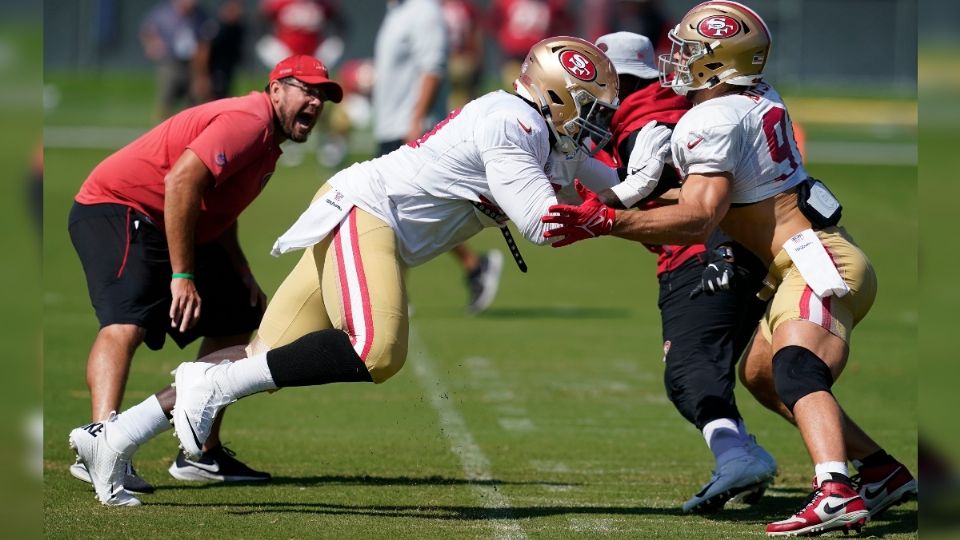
{"x": 545, "y": 417}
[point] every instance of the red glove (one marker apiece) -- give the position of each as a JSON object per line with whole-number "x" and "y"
{"x": 589, "y": 219}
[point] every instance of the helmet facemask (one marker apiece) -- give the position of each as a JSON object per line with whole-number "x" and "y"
{"x": 590, "y": 129}
{"x": 683, "y": 53}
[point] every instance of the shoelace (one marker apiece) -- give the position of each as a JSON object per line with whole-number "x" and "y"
{"x": 856, "y": 481}
{"x": 810, "y": 500}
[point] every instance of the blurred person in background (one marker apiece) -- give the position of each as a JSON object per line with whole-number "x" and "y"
{"x": 704, "y": 336}
{"x": 341, "y": 314}
{"x": 355, "y": 112}
{"x": 410, "y": 93}
{"x": 518, "y": 24}
{"x": 176, "y": 36}
{"x": 226, "y": 47}
{"x": 644, "y": 17}
{"x": 742, "y": 170}
{"x": 155, "y": 227}
{"x": 465, "y": 63}
{"x": 311, "y": 27}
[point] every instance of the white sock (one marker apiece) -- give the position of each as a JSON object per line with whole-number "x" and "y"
{"x": 824, "y": 470}
{"x": 724, "y": 439}
{"x": 138, "y": 424}
{"x": 244, "y": 377}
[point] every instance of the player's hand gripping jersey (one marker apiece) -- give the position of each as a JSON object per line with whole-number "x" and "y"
{"x": 748, "y": 135}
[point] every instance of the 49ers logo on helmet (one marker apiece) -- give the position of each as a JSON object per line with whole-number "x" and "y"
{"x": 718, "y": 26}
{"x": 578, "y": 65}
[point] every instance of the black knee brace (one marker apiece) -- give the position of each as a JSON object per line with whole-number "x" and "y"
{"x": 798, "y": 372}
{"x": 321, "y": 357}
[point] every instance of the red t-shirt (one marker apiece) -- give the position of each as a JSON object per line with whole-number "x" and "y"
{"x": 653, "y": 102}
{"x": 234, "y": 139}
{"x": 299, "y": 24}
{"x": 519, "y": 24}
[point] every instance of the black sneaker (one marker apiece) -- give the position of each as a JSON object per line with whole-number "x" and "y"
{"x": 484, "y": 281}
{"x": 132, "y": 481}
{"x": 217, "y": 464}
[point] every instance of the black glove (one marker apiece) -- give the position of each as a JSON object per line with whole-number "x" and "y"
{"x": 719, "y": 275}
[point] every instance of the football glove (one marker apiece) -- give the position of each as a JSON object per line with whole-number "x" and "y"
{"x": 719, "y": 274}
{"x": 645, "y": 164}
{"x": 590, "y": 219}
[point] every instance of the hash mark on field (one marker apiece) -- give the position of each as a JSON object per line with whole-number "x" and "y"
{"x": 476, "y": 466}
{"x": 517, "y": 424}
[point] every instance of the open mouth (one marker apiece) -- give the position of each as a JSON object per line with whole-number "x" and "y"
{"x": 304, "y": 120}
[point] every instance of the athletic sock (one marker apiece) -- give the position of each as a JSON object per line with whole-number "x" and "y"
{"x": 244, "y": 377}
{"x": 724, "y": 439}
{"x": 137, "y": 425}
{"x": 828, "y": 469}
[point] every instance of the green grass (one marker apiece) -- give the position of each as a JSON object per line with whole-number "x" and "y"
{"x": 558, "y": 386}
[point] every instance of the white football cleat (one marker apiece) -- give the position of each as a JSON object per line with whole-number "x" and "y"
{"x": 106, "y": 466}
{"x": 199, "y": 399}
{"x": 748, "y": 475}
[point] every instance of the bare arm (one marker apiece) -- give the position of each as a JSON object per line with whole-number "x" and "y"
{"x": 429, "y": 87}
{"x": 183, "y": 189}
{"x": 704, "y": 200}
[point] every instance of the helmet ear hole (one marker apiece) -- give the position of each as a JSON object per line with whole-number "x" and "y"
{"x": 555, "y": 97}
{"x": 712, "y": 66}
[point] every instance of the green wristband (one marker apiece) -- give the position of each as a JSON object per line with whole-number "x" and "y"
{"x": 182, "y": 275}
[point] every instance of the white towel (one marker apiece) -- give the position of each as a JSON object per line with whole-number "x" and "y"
{"x": 315, "y": 222}
{"x": 814, "y": 263}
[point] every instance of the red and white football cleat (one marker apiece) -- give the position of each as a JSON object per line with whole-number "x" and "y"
{"x": 834, "y": 506}
{"x": 884, "y": 486}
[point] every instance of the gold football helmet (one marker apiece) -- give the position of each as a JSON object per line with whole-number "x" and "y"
{"x": 716, "y": 42}
{"x": 574, "y": 85}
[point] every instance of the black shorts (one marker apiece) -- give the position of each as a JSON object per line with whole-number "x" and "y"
{"x": 125, "y": 258}
{"x": 704, "y": 337}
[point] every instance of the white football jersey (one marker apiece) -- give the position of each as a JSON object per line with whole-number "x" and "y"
{"x": 748, "y": 135}
{"x": 494, "y": 151}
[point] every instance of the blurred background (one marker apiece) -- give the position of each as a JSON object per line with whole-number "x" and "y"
{"x": 848, "y": 70}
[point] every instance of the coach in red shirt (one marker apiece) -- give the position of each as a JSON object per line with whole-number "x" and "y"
{"x": 155, "y": 226}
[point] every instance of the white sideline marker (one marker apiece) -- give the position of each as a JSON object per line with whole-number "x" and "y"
{"x": 476, "y": 466}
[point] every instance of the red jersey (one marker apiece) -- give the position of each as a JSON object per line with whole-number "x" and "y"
{"x": 520, "y": 24}
{"x": 299, "y": 24}
{"x": 234, "y": 139}
{"x": 653, "y": 102}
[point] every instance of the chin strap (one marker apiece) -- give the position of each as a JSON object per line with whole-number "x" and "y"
{"x": 501, "y": 220}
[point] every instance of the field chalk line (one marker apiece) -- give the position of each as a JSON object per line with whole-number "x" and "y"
{"x": 476, "y": 466}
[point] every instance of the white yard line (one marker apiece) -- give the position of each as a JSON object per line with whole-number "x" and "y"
{"x": 476, "y": 466}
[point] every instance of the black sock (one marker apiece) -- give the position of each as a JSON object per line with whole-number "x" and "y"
{"x": 322, "y": 357}
{"x": 879, "y": 457}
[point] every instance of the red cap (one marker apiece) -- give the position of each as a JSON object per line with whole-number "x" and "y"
{"x": 309, "y": 70}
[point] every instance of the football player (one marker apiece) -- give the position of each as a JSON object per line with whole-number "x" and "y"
{"x": 341, "y": 314}
{"x": 742, "y": 171}
{"x": 703, "y": 337}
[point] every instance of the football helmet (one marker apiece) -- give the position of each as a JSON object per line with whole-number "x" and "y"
{"x": 716, "y": 42}
{"x": 574, "y": 85}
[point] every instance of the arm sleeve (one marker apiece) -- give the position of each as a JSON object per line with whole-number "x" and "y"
{"x": 596, "y": 175}
{"x": 229, "y": 143}
{"x": 513, "y": 160}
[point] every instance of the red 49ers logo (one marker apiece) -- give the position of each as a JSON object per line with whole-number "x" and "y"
{"x": 578, "y": 65}
{"x": 718, "y": 26}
